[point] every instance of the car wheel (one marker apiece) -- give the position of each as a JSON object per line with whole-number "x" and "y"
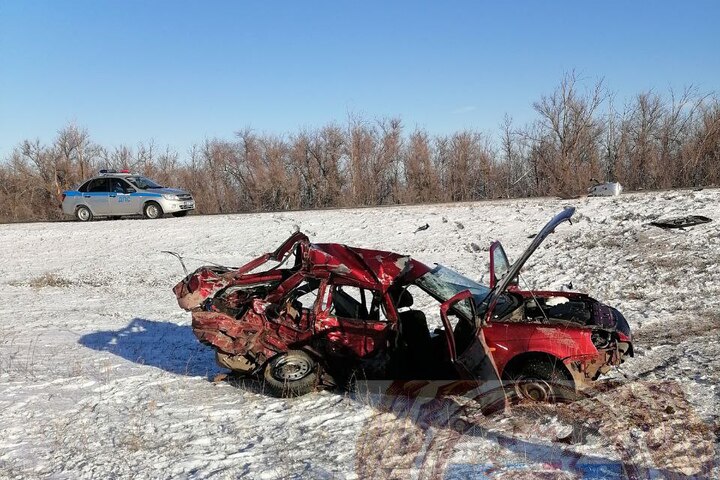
{"x": 542, "y": 381}
{"x": 152, "y": 210}
{"x": 291, "y": 374}
{"x": 83, "y": 214}
{"x": 180, "y": 214}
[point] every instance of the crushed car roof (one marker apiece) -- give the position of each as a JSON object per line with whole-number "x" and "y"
{"x": 373, "y": 268}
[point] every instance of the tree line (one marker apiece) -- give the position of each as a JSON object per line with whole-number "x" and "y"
{"x": 579, "y": 135}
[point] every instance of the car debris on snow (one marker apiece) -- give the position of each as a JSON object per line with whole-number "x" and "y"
{"x": 681, "y": 222}
{"x": 605, "y": 189}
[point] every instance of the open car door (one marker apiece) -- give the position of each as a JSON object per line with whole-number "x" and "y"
{"x": 467, "y": 349}
{"x": 470, "y": 355}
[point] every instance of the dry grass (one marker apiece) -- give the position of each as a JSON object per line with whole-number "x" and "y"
{"x": 50, "y": 280}
{"x": 651, "y": 424}
{"x": 640, "y": 427}
{"x": 54, "y": 280}
{"x": 414, "y": 428}
{"x": 705, "y": 323}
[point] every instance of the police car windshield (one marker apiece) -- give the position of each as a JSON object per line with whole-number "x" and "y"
{"x": 143, "y": 183}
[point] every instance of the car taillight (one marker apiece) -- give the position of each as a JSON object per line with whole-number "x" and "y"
{"x": 194, "y": 283}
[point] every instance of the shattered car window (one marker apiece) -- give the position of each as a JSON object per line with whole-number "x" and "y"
{"x": 500, "y": 261}
{"x": 349, "y": 302}
{"x": 291, "y": 261}
{"x": 426, "y": 303}
{"x": 443, "y": 284}
{"x": 305, "y": 294}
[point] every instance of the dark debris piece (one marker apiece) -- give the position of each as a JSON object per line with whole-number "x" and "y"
{"x": 682, "y": 222}
{"x": 424, "y": 227}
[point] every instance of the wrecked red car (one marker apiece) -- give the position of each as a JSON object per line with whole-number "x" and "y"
{"x": 309, "y": 315}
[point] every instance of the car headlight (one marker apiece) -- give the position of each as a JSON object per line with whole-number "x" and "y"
{"x": 170, "y": 196}
{"x": 601, "y": 338}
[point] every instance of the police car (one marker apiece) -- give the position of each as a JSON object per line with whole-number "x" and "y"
{"x": 119, "y": 193}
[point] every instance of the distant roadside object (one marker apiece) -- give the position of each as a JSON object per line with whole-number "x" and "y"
{"x": 121, "y": 193}
{"x": 681, "y": 222}
{"x": 606, "y": 189}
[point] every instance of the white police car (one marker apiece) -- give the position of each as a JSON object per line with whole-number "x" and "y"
{"x": 118, "y": 193}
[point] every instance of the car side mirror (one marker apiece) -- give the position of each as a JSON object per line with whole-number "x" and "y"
{"x": 130, "y": 190}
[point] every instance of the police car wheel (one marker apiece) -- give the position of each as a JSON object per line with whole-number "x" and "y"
{"x": 152, "y": 210}
{"x": 83, "y": 214}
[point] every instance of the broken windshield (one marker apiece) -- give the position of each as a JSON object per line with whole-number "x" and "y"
{"x": 444, "y": 283}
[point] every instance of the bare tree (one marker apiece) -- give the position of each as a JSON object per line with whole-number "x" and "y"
{"x": 568, "y": 135}
{"x": 655, "y": 141}
{"x": 513, "y": 171}
{"x": 317, "y": 162}
{"x": 374, "y": 162}
{"x": 421, "y": 179}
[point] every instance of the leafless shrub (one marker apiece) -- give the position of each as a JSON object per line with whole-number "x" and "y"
{"x": 654, "y": 141}
{"x": 50, "y": 280}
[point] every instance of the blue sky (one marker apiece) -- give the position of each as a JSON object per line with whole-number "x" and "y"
{"x": 178, "y": 72}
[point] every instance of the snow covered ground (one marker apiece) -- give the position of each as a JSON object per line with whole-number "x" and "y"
{"x": 101, "y": 377}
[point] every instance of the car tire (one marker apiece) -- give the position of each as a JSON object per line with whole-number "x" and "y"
{"x": 291, "y": 374}
{"x": 152, "y": 210}
{"x": 541, "y": 381}
{"x": 180, "y": 214}
{"x": 83, "y": 214}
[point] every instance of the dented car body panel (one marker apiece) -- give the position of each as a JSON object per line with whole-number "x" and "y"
{"x": 347, "y": 308}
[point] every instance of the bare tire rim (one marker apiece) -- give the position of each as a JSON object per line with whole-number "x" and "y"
{"x": 152, "y": 211}
{"x": 534, "y": 389}
{"x": 83, "y": 214}
{"x": 291, "y": 369}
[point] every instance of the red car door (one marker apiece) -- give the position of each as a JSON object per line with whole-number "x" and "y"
{"x": 350, "y": 322}
{"x": 472, "y": 359}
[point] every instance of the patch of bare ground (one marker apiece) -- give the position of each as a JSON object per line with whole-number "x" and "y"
{"x": 641, "y": 429}
{"x": 706, "y": 323}
{"x": 405, "y": 432}
{"x": 651, "y": 426}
